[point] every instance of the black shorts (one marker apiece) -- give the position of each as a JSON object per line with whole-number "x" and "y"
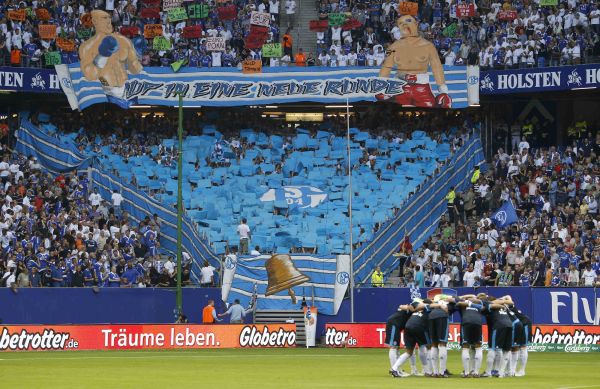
{"x": 392, "y": 335}
{"x": 470, "y": 334}
{"x": 414, "y": 336}
{"x": 528, "y": 333}
{"x": 502, "y": 339}
{"x": 438, "y": 329}
{"x": 519, "y": 335}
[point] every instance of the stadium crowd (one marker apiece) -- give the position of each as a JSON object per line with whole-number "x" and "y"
{"x": 59, "y": 232}
{"x": 121, "y": 137}
{"x": 21, "y": 43}
{"x": 554, "y": 241}
{"x": 495, "y": 36}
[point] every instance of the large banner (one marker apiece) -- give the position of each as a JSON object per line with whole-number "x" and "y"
{"x": 411, "y": 75}
{"x": 544, "y": 338}
{"x": 281, "y": 281}
{"x": 231, "y": 87}
{"x": 499, "y": 82}
{"x": 29, "y": 80}
{"x": 145, "y": 336}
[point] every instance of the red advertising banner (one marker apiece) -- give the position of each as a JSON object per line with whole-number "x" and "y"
{"x": 465, "y": 10}
{"x": 373, "y": 335}
{"x": 145, "y": 336}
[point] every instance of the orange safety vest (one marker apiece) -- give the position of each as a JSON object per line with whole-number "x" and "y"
{"x": 15, "y": 57}
{"x": 207, "y": 315}
{"x": 287, "y": 41}
{"x": 300, "y": 59}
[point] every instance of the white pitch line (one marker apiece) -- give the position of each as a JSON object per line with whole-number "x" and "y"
{"x": 579, "y": 387}
{"x": 185, "y": 355}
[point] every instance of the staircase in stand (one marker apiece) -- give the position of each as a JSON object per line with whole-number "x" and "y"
{"x": 271, "y": 317}
{"x": 306, "y": 10}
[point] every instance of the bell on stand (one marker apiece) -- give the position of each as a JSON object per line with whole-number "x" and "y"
{"x": 283, "y": 275}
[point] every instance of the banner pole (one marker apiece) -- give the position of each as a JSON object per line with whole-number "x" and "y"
{"x": 179, "y": 298}
{"x": 350, "y": 193}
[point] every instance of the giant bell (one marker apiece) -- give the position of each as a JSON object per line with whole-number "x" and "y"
{"x": 283, "y": 275}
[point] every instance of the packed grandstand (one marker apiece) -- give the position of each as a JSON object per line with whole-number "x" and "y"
{"x": 322, "y": 188}
{"x": 57, "y": 230}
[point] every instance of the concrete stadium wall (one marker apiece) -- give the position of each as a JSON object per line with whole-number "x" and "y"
{"x": 110, "y": 305}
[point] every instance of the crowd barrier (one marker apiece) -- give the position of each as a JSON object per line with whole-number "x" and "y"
{"x": 545, "y": 306}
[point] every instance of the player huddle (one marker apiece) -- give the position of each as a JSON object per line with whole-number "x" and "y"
{"x": 426, "y": 322}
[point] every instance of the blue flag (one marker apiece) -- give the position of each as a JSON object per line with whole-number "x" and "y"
{"x": 505, "y": 215}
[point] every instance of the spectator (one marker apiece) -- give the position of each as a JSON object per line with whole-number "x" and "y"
{"x": 207, "y": 275}
{"x": 236, "y": 311}
{"x": 117, "y": 199}
{"x": 506, "y": 277}
{"x": 209, "y": 314}
{"x": 290, "y": 11}
{"x": 244, "y": 233}
{"x": 588, "y": 277}
{"x": 419, "y": 277}
{"x": 300, "y": 58}
{"x": 288, "y": 42}
{"x": 469, "y": 277}
{"x": 377, "y": 278}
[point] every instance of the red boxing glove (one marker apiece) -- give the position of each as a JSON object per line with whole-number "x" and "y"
{"x": 443, "y": 100}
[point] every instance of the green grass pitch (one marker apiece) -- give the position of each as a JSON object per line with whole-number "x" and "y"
{"x": 270, "y": 368}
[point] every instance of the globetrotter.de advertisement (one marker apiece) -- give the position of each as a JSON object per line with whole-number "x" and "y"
{"x": 152, "y": 336}
{"x": 543, "y": 338}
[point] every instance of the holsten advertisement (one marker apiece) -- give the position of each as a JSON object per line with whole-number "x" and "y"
{"x": 544, "y": 338}
{"x": 137, "y": 337}
{"x": 539, "y": 79}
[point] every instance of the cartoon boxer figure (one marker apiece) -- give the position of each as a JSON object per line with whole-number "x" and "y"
{"x": 412, "y": 55}
{"x": 108, "y": 56}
